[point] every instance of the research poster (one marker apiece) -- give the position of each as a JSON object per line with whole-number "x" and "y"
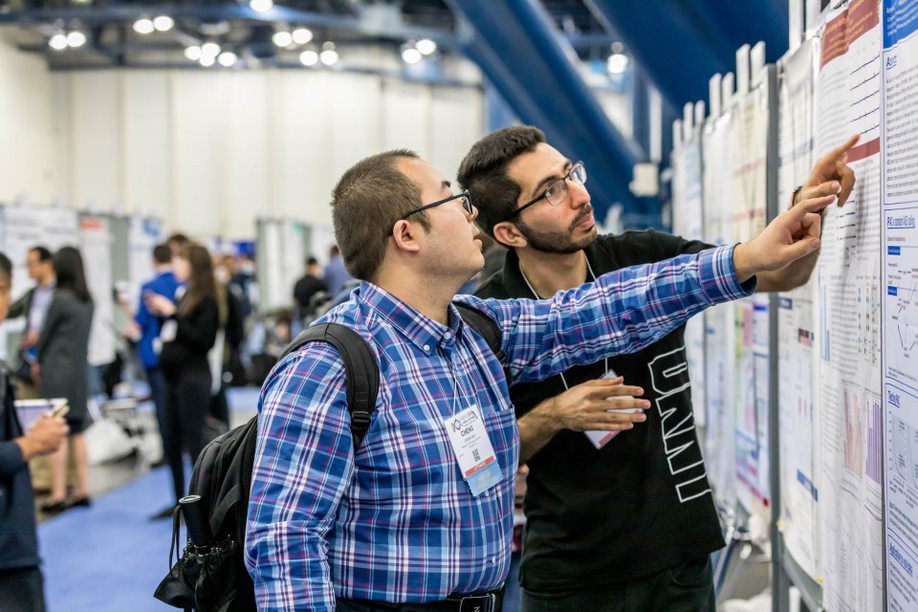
{"x": 689, "y": 223}
{"x": 95, "y": 247}
{"x": 900, "y": 299}
{"x": 24, "y": 227}
{"x": 719, "y": 329}
{"x": 849, "y": 412}
{"x": 747, "y": 211}
{"x": 271, "y": 278}
{"x": 796, "y": 324}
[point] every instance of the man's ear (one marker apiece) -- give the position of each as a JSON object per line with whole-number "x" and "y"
{"x": 507, "y": 234}
{"x": 406, "y": 236}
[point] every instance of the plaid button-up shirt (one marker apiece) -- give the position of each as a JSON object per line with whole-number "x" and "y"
{"x": 395, "y": 521}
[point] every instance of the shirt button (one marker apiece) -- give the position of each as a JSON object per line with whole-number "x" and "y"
{"x": 426, "y": 347}
{"x": 447, "y": 335}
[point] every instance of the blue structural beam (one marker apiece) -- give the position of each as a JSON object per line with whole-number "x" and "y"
{"x": 677, "y": 48}
{"x": 681, "y": 44}
{"x": 517, "y": 48}
{"x": 739, "y": 23}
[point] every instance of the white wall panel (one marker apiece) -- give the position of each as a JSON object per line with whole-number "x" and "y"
{"x": 199, "y": 113}
{"x": 456, "y": 122}
{"x": 27, "y": 161}
{"x": 95, "y": 120}
{"x": 356, "y": 121}
{"x": 248, "y": 153}
{"x": 209, "y": 152}
{"x": 146, "y": 142}
{"x": 405, "y": 116}
{"x": 301, "y": 141}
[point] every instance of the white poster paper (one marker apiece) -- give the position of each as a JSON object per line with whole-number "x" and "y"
{"x": 848, "y": 415}
{"x": 900, "y": 304}
{"x": 796, "y": 324}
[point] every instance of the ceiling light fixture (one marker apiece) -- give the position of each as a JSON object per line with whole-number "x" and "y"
{"x": 309, "y": 57}
{"x": 227, "y": 59}
{"x": 282, "y": 38}
{"x": 58, "y": 42}
{"x": 76, "y": 39}
{"x": 426, "y": 46}
{"x": 329, "y": 55}
{"x": 411, "y": 55}
{"x": 144, "y": 26}
{"x": 261, "y": 6}
{"x": 617, "y": 63}
{"x": 301, "y": 36}
{"x": 163, "y": 23}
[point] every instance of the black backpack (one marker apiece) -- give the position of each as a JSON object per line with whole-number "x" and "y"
{"x": 214, "y": 577}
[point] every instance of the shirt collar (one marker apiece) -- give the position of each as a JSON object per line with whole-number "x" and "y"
{"x": 418, "y": 328}
{"x": 513, "y": 279}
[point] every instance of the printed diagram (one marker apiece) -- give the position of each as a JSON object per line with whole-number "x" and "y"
{"x": 868, "y": 322}
{"x": 906, "y": 317}
{"x": 905, "y": 452}
{"x": 902, "y": 316}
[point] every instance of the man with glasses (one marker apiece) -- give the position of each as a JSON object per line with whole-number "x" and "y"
{"x": 612, "y": 524}
{"x": 419, "y": 515}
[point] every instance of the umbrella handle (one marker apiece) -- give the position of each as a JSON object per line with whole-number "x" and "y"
{"x": 195, "y": 521}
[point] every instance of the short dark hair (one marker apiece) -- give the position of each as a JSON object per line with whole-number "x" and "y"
{"x": 6, "y": 267}
{"x": 178, "y": 238}
{"x": 483, "y": 172}
{"x": 367, "y": 201}
{"x": 312, "y": 261}
{"x": 162, "y": 254}
{"x": 43, "y": 253}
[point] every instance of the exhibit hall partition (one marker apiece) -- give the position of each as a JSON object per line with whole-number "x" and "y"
{"x": 111, "y": 247}
{"x": 811, "y": 396}
{"x": 285, "y": 243}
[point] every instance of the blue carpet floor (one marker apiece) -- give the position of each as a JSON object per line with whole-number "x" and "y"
{"x": 109, "y": 556}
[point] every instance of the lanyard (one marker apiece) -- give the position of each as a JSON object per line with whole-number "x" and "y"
{"x": 536, "y": 296}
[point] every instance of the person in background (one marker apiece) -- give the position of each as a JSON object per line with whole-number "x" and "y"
{"x": 628, "y": 525}
{"x": 176, "y": 242}
{"x": 188, "y": 333}
{"x": 336, "y": 274}
{"x": 147, "y": 326}
{"x": 35, "y": 302}
{"x": 307, "y": 286}
{"x": 225, "y": 357}
{"x": 21, "y": 583}
{"x": 61, "y": 370}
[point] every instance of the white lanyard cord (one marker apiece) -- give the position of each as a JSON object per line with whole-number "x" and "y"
{"x": 536, "y": 296}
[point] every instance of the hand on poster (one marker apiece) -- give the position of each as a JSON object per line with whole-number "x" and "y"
{"x": 831, "y": 175}
{"x": 791, "y": 235}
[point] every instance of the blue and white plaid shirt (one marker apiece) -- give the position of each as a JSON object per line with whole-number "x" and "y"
{"x": 396, "y": 522}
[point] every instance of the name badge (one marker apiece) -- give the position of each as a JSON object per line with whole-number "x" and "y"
{"x": 601, "y": 438}
{"x": 473, "y": 450}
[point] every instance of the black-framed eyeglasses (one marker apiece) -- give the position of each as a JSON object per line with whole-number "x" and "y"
{"x": 464, "y": 196}
{"x": 556, "y": 192}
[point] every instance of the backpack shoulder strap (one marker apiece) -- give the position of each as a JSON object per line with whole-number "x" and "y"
{"x": 360, "y": 367}
{"x": 487, "y": 327}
